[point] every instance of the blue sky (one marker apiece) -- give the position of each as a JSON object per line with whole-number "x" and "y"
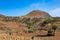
{"x": 22, "y": 7}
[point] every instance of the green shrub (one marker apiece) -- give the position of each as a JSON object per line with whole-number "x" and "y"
{"x": 50, "y": 32}
{"x": 32, "y": 37}
{"x": 59, "y": 28}
{"x": 10, "y": 33}
{"x": 30, "y": 31}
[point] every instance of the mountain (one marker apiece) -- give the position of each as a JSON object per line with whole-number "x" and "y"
{"x": 37, "y": 14}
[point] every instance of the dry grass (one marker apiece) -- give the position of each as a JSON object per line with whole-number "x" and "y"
{"x": 16, "y": 37}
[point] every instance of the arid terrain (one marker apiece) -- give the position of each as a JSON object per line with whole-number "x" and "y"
{"x": 36, "y": 25}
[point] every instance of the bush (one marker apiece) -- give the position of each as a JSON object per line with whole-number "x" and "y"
{"x": 50, "y": 33}
{"x": 9, "y": 32}
{"x": 17, "y": 32}
{"x": 32, "y": 37}
{"x": 30, "y": 31}
{"x": 59, "y": 28}
{"x": 29, "y": 27}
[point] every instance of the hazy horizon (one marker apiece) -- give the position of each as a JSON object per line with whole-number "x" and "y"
{"x": 22, "y": 7}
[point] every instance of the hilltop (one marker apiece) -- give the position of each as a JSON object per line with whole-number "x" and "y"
{"x": 37, "y": 14}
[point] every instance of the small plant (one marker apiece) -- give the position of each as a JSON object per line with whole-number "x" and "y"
{"x": 17, "y": 32}
{"x": 10, "y": 33}
{"x": 32, "y": 37}
{"x": 28, "y": 27}
{"x": 30, "y": 31}
{"x": 59, "y": 28}
{"x": 50, "y": 32}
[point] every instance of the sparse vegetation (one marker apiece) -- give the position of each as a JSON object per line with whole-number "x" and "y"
{"x": 50, "y": 32}
{"x": 54, "y": 28}
{"x": 30, "y": 31}
{"x": 29, "y": 25}
{"x": 32, "y": 37}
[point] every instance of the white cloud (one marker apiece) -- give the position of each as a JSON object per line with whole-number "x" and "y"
{"x": 55, "y": 12}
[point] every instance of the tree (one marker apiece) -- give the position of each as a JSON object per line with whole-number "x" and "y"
{"x": 54, "y": 28}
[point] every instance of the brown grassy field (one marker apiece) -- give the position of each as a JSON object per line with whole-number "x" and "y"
{"x": 40, "y": 36}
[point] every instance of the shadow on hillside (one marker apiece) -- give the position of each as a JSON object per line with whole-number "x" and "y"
{"x": 42, "y": 36}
